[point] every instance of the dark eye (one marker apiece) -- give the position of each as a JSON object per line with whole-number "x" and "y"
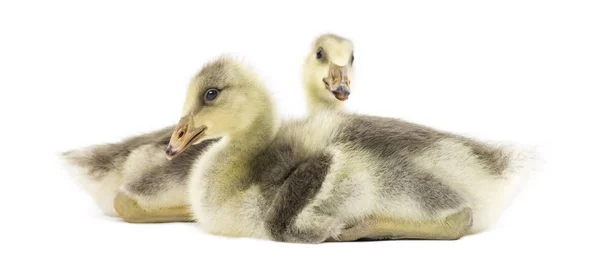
{"x": 320, "y": 53}
{"x": 211, "y": 94}
{"x": 352, "y": 59}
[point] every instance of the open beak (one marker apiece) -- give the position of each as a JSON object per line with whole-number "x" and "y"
{"x": 338, "y": 82}
{"x": 184, "y": 136}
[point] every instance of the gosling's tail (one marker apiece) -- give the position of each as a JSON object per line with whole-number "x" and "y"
{"x": 520, "y": 163}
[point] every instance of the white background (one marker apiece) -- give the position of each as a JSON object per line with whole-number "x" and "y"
{"x": 75, "y": 73}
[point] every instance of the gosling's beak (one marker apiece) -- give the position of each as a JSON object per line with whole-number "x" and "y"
{"x": 184, "y": 136}
{"x": 338, "y": 82}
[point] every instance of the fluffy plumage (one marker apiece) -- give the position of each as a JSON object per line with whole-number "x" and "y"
{"x": 138, "y": 168}
{"x": 308, "y": 180}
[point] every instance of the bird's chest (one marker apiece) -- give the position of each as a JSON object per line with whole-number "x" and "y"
{"x": 225, "y": 206}
{"x": 238, "y": 216}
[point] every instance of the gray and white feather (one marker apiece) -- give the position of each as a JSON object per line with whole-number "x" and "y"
{"x": 137, "y": 166}
{"x": 307, "y": 180}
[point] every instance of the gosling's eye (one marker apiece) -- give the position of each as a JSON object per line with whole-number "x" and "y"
{"x": 352, "y": 59}
{"x": 211, "y": 94}
{"x": 320, "y": 53}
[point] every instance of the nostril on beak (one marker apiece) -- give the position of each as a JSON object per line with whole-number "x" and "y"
{"x": 181, "y": 132}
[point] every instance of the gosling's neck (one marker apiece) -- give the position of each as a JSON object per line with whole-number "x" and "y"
{"x": 243, "y": 145}
{"x": 256, "y": 136}
{"x": 316, "y": 101}
{"x": 231, "y": 169}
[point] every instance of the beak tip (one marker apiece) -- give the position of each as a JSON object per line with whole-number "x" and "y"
{"x": 341, "y": 92}
{"x": 342, "y": 96}
{"x": 170, "y": 153}
{"x": 170, "y": 156}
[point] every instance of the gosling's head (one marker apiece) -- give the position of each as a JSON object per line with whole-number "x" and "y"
{"x": 225, "y": 97}
{"x": 328, "y": 70}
